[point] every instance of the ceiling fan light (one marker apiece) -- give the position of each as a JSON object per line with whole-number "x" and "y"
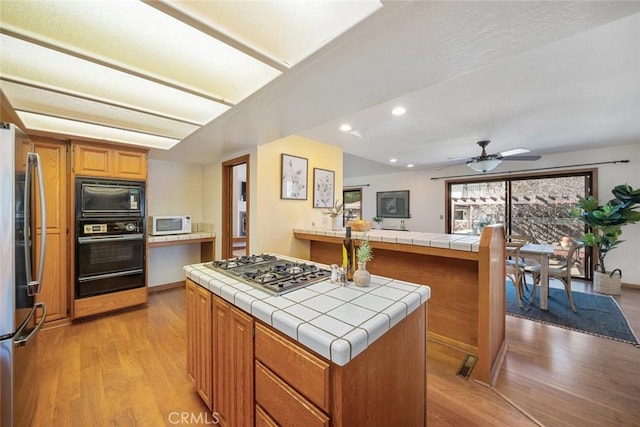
{"x": 484, "y": 165}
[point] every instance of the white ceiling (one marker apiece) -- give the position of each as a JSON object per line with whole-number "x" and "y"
{"x": 152, "y": 72}
{"x": 546, "y": 76}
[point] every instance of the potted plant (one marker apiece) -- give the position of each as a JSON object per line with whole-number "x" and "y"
{"x": 606, "y": 224}
{"x": 378, "y": 220}
{"x": 364, "y": 254}
{"x": 336, "y": 215}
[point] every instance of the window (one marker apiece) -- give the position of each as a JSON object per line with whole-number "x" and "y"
{"x": 537, "y": 206}
{"x": 352, "y": 199}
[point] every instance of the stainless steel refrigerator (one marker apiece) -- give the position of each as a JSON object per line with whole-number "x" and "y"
{"x": 21, "y": 317}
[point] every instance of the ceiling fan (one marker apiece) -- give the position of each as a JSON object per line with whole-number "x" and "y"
{"x": 486, "y": 162}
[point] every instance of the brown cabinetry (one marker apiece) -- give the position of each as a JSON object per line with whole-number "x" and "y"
{"x": 199, "y": 340}
{"x": 295, "y": 365}
{"x": 54, "y": 291}
{"x": 109, "y": 161}
{"x": 232, "y": 365}
{"x": 285, "y": 405}
{"x": 270, "y": 380}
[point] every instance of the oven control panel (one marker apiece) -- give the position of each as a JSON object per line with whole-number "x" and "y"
{"x": 104, "y": 227}
{"x": 95, "y": 228}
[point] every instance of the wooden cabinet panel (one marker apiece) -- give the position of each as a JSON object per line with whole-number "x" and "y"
{"x": 242, "y": 368}
{"x": 221, "y": 375}
{"x": 203, "y": 336}
{"x": 263, "y": 419}
{"x": 232, "y": 365}
{"x": 298, "y": 367}
{"x": 22, "y": 148}
{"x": 55, "y": 290}
{"x": 109, "y": 161}
{"x": 285, "y": 405}
{"x": 199, "y": 340}
{"x": 99, "y": 304}
{"x": 192, "y": 329}
{"x": 130, "y": 164}
{"x": 92, "y": 160}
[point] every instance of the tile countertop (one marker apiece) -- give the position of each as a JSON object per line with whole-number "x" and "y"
{"x": 336, "y": 322}
{"x": 175, "y": 237}
{"x": 459, "y": 242}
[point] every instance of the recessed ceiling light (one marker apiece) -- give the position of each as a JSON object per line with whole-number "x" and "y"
{"x": 346, "y": 127}
{"x": 393, "y": 160}
{"x": 398, "y": 111}
{"x": 410, "y": 165}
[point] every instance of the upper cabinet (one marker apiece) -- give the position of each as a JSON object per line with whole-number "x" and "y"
{"x": 90, "y": 159}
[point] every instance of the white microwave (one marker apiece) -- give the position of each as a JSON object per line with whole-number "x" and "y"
{"x": 168, "y": 224}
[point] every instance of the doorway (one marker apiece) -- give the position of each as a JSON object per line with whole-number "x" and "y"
{"x": 235, "y": 207}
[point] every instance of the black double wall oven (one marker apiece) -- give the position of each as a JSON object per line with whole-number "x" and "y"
{"x": 110, "y": 236}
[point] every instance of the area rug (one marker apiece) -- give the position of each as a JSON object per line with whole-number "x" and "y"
{"x": 597, "y": 314}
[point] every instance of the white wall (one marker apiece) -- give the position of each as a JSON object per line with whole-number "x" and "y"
{"x": 173, "y": 189}
{"x": 427, "y": 197}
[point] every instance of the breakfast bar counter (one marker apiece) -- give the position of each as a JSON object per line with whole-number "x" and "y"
{"x": 466, "y": 276}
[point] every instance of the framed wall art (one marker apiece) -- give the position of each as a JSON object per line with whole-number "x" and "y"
{"x": 392, "y": 204}
{"x": 294, "y": 177}
{"x": 323, "y": 188}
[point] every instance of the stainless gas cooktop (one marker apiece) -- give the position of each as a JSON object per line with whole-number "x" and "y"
{"x": 269, "y": 273}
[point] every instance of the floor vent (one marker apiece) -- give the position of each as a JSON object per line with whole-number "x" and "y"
{"x": 468, "y": 363}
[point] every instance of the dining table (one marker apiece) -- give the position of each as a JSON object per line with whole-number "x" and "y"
{"x": 540, "y": 252}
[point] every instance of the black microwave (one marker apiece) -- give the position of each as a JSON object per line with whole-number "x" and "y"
{"x": 109, "y": 198}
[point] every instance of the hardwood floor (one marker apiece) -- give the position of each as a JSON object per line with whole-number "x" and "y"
{"x": 126, "y": 369}
{"x": 129, "y": 369}
{"x": 553, "y": 376}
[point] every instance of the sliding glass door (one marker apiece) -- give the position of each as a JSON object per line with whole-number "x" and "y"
{"x": 538, "y": 207}
{"x": 474, "y": 205}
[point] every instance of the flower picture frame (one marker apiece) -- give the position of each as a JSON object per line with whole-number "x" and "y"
{"x": 293, "y": 175}
{"x": 323, "y": 188}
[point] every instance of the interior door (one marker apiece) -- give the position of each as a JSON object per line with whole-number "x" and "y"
{"x": 235, "y": 207}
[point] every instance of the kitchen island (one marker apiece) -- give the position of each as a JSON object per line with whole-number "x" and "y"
{"x": 320, "y": 355}
{"x": 466, "y": 275}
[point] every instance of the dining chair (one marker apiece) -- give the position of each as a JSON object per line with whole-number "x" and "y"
{"x": 562, "y": 273}
{"x": 527, "y": 265}
{"x": 514, "y": 271}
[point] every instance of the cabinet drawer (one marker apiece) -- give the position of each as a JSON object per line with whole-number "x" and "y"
{"x": 302, "y": 370}
{"x": 263, "y": 419}
{"x": 286, "y": 406}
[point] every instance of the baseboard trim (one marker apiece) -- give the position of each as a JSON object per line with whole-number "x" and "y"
{"x": 56, "y": 323}
{"x": 166, "y": 287}
{"x": 630, "y": 285}
{"x": 450, "y": 342}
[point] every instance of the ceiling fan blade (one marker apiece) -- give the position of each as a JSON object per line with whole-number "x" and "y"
{"x": 514, "y": 151}
{"x": 522, "y": 158}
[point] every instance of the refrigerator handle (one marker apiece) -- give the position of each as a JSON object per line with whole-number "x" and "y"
{"x": 33, "y": 286}
{"x": 22, "y": 341}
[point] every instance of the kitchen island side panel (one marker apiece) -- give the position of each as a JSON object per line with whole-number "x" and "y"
{"x": 387, "y": 384}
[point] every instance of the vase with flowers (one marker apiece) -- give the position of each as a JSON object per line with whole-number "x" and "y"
{"x": 364, "y": 254}
{"x": 336, "y": 215}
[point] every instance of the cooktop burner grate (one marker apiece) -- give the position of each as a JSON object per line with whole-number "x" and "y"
{"x": 269, "y": 273}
